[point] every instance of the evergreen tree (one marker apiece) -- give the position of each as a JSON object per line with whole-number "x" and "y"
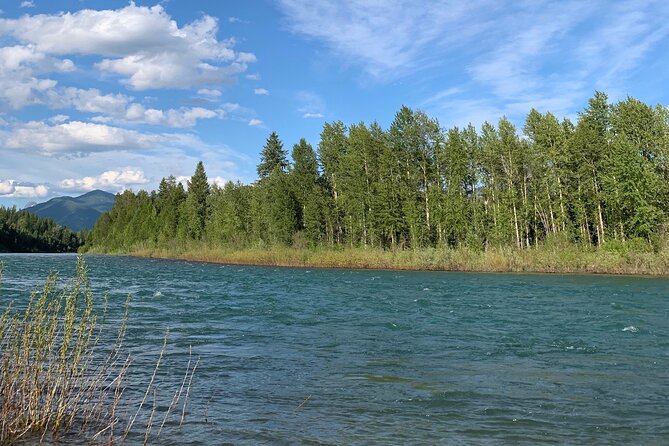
{"x": 272, "y": 157}
{"x": 21, "y": 231}
{"x": 196, "y": 209}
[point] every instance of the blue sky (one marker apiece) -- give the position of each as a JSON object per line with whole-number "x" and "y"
{"x": 115, "y": 95}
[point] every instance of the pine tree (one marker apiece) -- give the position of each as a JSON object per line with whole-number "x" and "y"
{"x": 196, "y": 206}
{"x": 272, "y": 157}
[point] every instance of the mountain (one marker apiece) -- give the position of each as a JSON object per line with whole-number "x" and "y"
{"x": 76, "y": 212}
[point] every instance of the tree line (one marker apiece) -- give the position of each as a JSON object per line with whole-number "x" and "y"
{"x": 22, "y": 231}
{"x": 416, "y": 185}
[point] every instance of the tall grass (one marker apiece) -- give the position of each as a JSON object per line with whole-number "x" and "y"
{"x": 552, "y": 257}
{"x": 63, "y": 372}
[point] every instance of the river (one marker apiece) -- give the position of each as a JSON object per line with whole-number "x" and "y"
{"x": 316, "y": 356}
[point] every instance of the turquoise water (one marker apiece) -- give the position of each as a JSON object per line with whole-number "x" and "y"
{"x": 300, "y": 356}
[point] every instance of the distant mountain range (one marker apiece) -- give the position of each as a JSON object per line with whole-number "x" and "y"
{"x": 76, "y": 212}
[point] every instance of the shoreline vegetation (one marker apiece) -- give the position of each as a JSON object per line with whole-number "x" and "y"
{"x": 554, "y": 196}
{"x": 66, "y": 371}
{"x": 545, "y": 259}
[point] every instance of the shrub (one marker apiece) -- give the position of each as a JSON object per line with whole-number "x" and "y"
{"x": 57, "y": 377}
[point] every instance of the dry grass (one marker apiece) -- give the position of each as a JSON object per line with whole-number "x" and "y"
{"x": 56, "y": 378}
{"x": 547, "y": 258}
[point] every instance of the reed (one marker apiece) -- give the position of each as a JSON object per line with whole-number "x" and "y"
{"x": 63, "y": 372}
{"x": 552, "y": 257}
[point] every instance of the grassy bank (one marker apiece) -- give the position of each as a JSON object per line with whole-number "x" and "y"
{"x": 611, "y": 259}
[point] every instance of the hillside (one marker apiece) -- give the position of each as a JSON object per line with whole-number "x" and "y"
{"x": 76, "y": 212}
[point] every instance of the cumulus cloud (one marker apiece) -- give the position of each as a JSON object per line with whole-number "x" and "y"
{"x": 141, "y": 44}
{"x": 255, "y": 122}
{"x": 218, "y": 181}
{"x": 14, "y": 189}
{"x": 213, "y": 181}
{"x": 19, "y": 68}
{"x": 261, "y": 91}
{"x": 76, "y": 138}
{"x": 27, "y": 4}
{"x": 89, "y": 101}
{"x": 253, "y": 76}
{"x": 312, "y": 115}
{"x": 178, "y": 118}
{"x": 115, "y": 180}
{"x": 6, "y": 187}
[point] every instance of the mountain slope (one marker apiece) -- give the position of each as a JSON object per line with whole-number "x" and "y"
{"x": 76, "y": 212}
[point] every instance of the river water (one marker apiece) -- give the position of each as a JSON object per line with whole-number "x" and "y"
{"x": 315, "y": 356}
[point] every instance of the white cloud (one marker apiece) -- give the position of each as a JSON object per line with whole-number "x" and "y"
{"x": 77, "y": 138}
{"x": 178, "y": 118}
{"x": 256, "y": 122}
{"x": 261, "y": 91}
{"x": 214, "y": 181}
{"x": 183, "y": 180}
{"x": 6, "y": 187}
{"x": 89, "y": 101}
{"x": 19, "y": 66}
{"x": 218, "y": 181}
{"x": 21, "y": 86}
{"x": 116, "y": 180}
{"x": 27, "y": 4}
{"x": 501, "y": 55}
{"x": 387, "y": 37}
{"x": 209, "y": 92}
{"x": 142, "y": 44}
{"x": 14, "y": 189}
{"x": 253, "y": 76}
{"x": 312, "y": 115}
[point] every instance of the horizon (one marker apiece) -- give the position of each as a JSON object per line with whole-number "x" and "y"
{"x": 160, "y": 86}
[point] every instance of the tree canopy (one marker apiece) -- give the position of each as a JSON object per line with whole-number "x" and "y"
{"x": 22, "y": 231}
{"x": 416, "y": 185}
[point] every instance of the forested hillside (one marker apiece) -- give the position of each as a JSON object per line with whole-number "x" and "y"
{"x": 76, "y": 213}
{"x": 21, "y": 231}
{"x": 602, "y": 179}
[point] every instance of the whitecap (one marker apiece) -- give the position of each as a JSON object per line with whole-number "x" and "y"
{"x": 631, "y": 329}
{"x": 426, "y": 289}
{"x": 157, "y": 294}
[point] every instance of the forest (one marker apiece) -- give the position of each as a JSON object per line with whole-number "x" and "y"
{"x": 25, "y": 232}
{"x": 602, "y": 180}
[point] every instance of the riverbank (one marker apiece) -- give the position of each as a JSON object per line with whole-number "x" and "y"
{"x": 543, "y": 259}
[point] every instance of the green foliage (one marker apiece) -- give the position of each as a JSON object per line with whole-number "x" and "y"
{"x": 195, "y": 207}
{"x": 418, "y": 186}
{"x": 273, "y": 156}
{"x": 25, "y": 232}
